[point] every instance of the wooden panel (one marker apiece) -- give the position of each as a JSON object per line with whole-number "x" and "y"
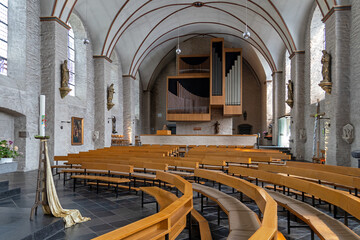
{"x": 163, "y": 132}
{"x": 232, "y": 110}
{"x": 188, "y": 117}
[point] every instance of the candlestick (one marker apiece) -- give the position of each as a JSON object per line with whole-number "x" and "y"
{"x": 42, "y": 116}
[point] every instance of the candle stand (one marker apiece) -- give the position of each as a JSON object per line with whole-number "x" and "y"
{"x": 41, "y": 195}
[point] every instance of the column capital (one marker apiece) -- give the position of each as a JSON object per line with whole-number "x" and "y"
{"x": 296, "y": 53}
{"x": 276, "y": 72}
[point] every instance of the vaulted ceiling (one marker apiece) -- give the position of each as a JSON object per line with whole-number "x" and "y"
{"x": 143, "y": 32}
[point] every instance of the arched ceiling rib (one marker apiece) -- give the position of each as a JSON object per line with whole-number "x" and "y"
{"x": 137, "y": 29}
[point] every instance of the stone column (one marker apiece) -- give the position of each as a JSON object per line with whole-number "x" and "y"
{"x": 297, "y": 113}
{"x": 103, "y": 122}
{"x": 129, "y": 113}
{"x": 338, "y": 103}
{"x": 53, "y": 53}
{"x": 278, "y": 103}
{"x": 146, "y": 111}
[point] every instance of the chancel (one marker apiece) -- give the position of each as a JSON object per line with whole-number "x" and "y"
{"x": 136, "y": 119}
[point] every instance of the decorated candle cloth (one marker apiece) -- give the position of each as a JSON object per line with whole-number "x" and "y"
{"x": 70, "y": 216}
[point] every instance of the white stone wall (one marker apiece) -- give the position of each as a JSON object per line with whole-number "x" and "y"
{"x": 6, "y": 126}
{"x": 132, "y": 99}
{"x": 310, "y": 107}
{"x": 158, "y": 98}
{"x": 355, "y": 76}
{"x": 19, "y": 90}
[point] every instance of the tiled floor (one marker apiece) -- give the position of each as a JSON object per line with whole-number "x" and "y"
{"x": 107, "y": 212}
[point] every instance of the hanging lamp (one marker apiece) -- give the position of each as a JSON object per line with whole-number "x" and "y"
{"x": 246, "y": 34}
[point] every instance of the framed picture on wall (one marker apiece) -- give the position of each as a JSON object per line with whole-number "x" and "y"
{"x": 77, "y": 131}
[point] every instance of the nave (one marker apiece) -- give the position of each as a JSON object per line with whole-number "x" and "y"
{"x": 111, "y": 214}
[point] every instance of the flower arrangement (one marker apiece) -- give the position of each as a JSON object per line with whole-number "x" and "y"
{"x": 8, "y": 150}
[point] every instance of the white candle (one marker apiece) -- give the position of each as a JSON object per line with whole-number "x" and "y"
{"x": 42, "y": 116}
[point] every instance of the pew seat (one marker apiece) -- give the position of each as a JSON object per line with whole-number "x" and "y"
{"x": 243, "y": 222}
{"x": 165, "y": 198}
{"x": 98, "y": 179}
{"x": 325, "y": 226}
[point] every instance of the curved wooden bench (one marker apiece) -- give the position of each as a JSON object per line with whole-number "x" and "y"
{"x": 336, "y": 179}
{"x": 243, "y": 222}
{"x": 344, "y": 200}
{"x": 324, "y": 225}
{"x": 326, "y": 168}
{"x": 167, "y": 223}
{"x": 268, "y": 228}
{"x": 165, "y": 198}
{"x": 110, "y": 168}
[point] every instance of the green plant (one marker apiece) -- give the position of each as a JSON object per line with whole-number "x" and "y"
{"x": 8, "y": 150}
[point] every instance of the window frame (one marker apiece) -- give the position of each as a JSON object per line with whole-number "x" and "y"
{"x": 71, "y": 61}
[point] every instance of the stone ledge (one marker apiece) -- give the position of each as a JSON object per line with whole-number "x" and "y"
{"x": 8, "y": 167}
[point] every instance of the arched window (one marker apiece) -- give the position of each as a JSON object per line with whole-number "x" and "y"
{"x": 3, "y": 36}
{"x": 287, "y": 78}
{"x": 71, "y": 60}
{"x": 317, "y": 44}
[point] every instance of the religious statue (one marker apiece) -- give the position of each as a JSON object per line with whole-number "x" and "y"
{"x": 348, "y": 133}
{"x": 325, "y": 60}
{"x": 290, "y": 88}
{"x": 164, "y": 127}
{"x": 64, "y": 89}
{"x": 114, "y": 125}
{"x": 64, "y": 74}
{"x": 326, "y": 84}
{"x": 216, "y": 125}
{"x": 110, "y": 96}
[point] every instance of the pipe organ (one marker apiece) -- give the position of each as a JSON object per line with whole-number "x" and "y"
{"x": 204, "y": 82}
{"x": 216, "y": 74}
{"x": 232, "y": 83}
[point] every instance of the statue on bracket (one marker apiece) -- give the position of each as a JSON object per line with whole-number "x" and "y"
{"x": 217, "y": 125}
{"x": 64, "y": 89}
{"x": 290, "y": 88}
{"x": 348, "y": 133}
{"x": 110, "y": 96}
{"x": 113, "y": 125}
{"x": 326, "y": 83}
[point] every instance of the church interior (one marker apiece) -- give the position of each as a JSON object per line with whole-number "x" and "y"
{"x": 124, "y": 119}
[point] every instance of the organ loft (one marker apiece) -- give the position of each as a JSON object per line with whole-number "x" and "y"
{"x": 204, "y": 82}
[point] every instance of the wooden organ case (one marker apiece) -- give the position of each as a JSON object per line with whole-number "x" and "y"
{"x": 204, "y": 82}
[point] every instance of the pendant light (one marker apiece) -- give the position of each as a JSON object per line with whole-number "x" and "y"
{"x": 246, "y": 34}
{"x": 86, "y": 40}
{"x": 178, "y": 50}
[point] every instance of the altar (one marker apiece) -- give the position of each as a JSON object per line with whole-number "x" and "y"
{"x": 237, "y": 140}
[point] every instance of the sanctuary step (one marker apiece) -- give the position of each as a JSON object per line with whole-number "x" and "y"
{"x": 42, "y": 227}
{"x": 5, "y": 192}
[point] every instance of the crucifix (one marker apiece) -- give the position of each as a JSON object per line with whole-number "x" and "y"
{"x": 316, "y": 145}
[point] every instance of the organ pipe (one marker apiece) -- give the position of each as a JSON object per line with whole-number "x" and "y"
{"x": 233, "y": 84}
{"x": 216, "y": 74}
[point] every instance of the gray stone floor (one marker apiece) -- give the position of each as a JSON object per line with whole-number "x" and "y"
{"x": 108, "y": 212}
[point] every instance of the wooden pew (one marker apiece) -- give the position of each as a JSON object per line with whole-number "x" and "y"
{"x": 326, "y": 168}
{"x": 347, "y": 202}
{"x": 325, "y": 226}
{"x": 110, "y": 168}
{"x": 268, "y": 228}
{"x": 165, "y": 198}
{"x": 330, "y": 178}
{"x": 168, "y": 223}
